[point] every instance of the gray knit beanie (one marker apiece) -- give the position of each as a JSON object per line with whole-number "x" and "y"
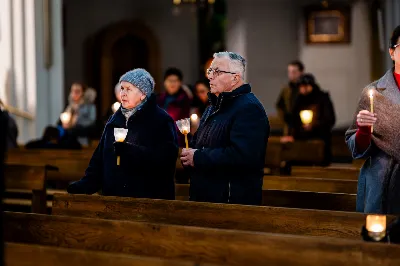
{"x": 140, "y": 78}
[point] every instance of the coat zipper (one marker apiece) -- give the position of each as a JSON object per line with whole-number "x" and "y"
{"x": 229, "y": 191}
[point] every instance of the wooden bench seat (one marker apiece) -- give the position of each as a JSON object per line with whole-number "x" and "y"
{"x": 331, "y": 172}
{"x": 227, "y": 247}
{"x": 226, "y": 216}
{"x": 310, "y": 184}
{"x": 34, "y": 255}
{"x": 27, "y": 177}
{"x": 294, "y": 199}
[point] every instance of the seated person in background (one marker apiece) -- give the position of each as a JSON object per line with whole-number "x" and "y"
{"x": 288, "y": 94}
{"x": 52, "y": 139}
{"x": 312, "y": 98}
{"x": 147, "y": 155}
{"x": 81, "y": 111}
{"x": 201, "y": 102}
{"x": 175, "y": 100}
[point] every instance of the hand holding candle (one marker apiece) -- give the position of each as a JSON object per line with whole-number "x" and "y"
{"x": 120, "y": 135}
{"x": 184, "y": 128}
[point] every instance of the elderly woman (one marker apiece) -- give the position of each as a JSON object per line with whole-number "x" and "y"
{"x": 147, "y": 155}
{"x": 379, "y": 180}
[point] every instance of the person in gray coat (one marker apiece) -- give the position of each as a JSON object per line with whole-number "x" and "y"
{"x": 375, "y": 136}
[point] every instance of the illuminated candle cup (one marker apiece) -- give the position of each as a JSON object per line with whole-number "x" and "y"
{"x": 65, "y": 117}
{"x": 376, "y": 226}
{"x": 120, "y": 135}
{"x": 115, "y": 106}
{"x": 306, "y": 116}
{"x": 184, "y": 128}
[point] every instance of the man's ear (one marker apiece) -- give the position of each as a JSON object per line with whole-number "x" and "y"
{"x": 142, "y": 97}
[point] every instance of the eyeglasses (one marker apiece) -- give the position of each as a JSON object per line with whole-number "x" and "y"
{"x": 395, "y": 46}
{"x": 217, "y": 72}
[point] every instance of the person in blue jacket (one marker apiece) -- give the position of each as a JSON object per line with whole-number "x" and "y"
{"x": 147, "y": 156}
{"x": 227, "y": 157}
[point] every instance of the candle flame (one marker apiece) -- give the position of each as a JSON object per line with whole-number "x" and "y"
{"x": 371, "y": 93}
{"x": 194, "y": 117}
{"x": 115, "y": 106}
{"x": 376, "y": 223}
{"x": 65, "y": 117}
{"x": 306, "y": 116}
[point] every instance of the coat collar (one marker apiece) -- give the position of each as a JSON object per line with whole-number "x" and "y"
{"x": 388, "y": 87}
{"x": 217, "y": 100}
{"x": 118, "y": 119}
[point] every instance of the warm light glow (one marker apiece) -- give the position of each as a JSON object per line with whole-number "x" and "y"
{"x": 115, "y": 106}
{"x": 306, "y": 116}
{"x": 120, "y": 134}
{"x": 65, "y": 117}
{"x": 376, "y": 226}
{"x": 177, "y": 2}
{"x": 185, "y": 130}
{"x": 194, "y": 117}
{"x": 211, "y": 1}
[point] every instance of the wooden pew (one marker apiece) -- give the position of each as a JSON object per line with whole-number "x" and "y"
{"x": 227, "y": 247}
{"x": 310, "y": 184}
{"x": 71, "y": 163}
{"x": 27, "y": 177}
{"x": 329, "y": 172}
{"x": 293, "y": 199}
{"x": 278, "y": 153}
{"x": 225, "y": 216}
{"x": 33, "y": 255}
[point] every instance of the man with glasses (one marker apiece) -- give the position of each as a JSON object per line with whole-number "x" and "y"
{"x": 227, "y": 153}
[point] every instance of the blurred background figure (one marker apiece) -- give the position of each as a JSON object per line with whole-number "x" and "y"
{"x": 288, "y": 94}
{"x": 312, "y": 98}
{"x": 200, "y": 103}
{"x": 52, "y": 139}
{"x": 175, "y": 100}
{"x": 78, "y": 119}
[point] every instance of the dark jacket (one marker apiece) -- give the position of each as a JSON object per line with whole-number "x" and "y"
{"x": 231, "y": 141}
{"x": 323, "y": 119}
{"x": 147, "y": 165}
{"x": 286, "y": 103}
{"x": 177, "y": 106}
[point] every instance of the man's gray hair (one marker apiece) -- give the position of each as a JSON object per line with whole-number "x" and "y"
{"x": 237, "y": 63}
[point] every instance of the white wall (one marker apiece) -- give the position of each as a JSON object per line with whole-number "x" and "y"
{"x": 342, "y": 69}
{"x": 265, "y": 33}
{"x": 270, "y": 34}
{"x": 177, "y": 34}
{"x": 24, "y": 81}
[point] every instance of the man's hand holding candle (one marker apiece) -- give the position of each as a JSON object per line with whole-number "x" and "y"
{"x": 187, "y": 157}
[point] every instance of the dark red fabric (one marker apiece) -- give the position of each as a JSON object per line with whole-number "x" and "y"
{"x": 363, "y": 138}
{"x": 178, "y": 108}
{"x": 397, "y": 77}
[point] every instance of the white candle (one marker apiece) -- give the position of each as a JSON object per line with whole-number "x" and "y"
{"x": 65, "y": 117}
{"x": 194, "y": 117}
{"x": 115, "y": 106}
{"x": 306, "y": 116}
